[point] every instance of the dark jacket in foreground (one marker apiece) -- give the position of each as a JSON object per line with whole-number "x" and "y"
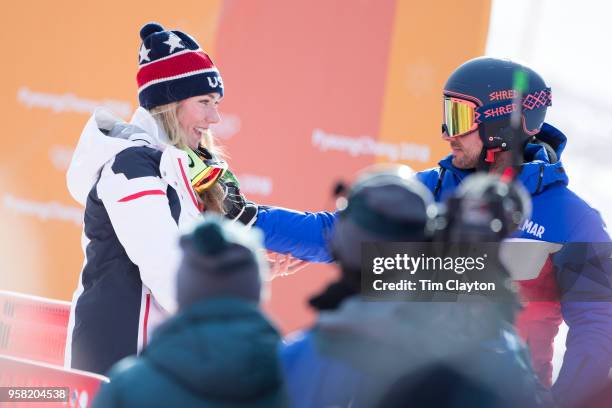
{"x": 355, "y": 354}
{"x": 216, "y": 353}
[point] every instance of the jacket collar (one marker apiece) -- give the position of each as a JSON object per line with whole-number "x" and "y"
{"x": 145, "y": 121}
{"x": 539, "y": 170}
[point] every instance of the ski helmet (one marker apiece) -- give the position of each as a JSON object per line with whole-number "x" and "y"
{"x": 481, "y": 94}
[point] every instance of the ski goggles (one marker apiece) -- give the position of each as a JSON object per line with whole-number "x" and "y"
{"x": 459, "y": 116}
{"x": 462, "y": 116}
{"x": 204, "y": 169}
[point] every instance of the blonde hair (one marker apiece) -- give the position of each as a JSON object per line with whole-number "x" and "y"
{"x": 167, "y": 117}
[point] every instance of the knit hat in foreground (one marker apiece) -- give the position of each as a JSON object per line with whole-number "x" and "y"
{"x": 221, "y": 259}
{"x": 173, "y": 67}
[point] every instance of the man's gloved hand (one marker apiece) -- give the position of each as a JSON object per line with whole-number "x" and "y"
{"x": 236, "y": 206}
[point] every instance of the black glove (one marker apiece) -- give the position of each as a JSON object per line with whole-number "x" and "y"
{"x": 236, "y": 206}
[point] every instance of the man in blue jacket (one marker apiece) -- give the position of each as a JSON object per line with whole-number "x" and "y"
{"x": 479, "y": 100}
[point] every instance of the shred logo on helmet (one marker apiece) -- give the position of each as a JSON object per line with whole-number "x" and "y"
{"x": 480, "y": 95}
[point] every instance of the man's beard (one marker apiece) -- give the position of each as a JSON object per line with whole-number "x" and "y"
{"x": 466, "y": 160}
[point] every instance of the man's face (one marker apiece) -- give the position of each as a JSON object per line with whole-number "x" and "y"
{"x": 465, "y": 149}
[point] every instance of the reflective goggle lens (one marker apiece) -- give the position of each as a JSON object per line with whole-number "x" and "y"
{"x": 204, "y": 169}
{"x": 458, "y": 116}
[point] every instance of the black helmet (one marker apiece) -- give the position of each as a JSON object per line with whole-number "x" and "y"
{"x": 488, "y": 86}
{"x": 386, "y": 203}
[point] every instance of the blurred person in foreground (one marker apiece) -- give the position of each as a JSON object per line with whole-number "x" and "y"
{"x": 569, "y": 280}
{"x": 359, "y": 346}
{"x": 140, "y": 182}
{"x": 442, "y": 385}
{"x": 219, "y": 350}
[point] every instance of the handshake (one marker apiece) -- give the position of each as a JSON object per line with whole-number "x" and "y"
{"x": 238, "y": 208}
{"x": 206, "y": 170}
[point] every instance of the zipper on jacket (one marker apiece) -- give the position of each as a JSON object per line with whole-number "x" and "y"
{"x": 439, "y": 184}
{"x": 540, "y": 177}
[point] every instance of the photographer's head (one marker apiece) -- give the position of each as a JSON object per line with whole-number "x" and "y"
{"x": 386, "y": 204}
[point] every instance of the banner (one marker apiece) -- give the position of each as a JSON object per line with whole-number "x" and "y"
{"x": 315, "y": 90}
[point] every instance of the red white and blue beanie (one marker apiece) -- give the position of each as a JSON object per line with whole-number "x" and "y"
{"x": 173, "y": 67}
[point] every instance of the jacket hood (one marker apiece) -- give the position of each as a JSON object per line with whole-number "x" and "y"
{"x": 542, "y": 166}
{"x": 221, "y": 349}
{"x": 103, "y": 137}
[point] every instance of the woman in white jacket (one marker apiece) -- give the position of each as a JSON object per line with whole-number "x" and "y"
{"x": 140, "y": 182}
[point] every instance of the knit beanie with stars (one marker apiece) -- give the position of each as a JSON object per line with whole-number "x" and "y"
{"x": 173, "y": 67}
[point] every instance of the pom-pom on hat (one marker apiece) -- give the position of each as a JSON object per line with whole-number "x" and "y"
{"x": 173, "y": 67}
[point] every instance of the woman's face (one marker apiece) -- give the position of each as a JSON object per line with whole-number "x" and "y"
{"x": 196, "y": 114}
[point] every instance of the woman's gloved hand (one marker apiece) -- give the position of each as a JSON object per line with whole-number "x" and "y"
{"x": 235, "y": 204}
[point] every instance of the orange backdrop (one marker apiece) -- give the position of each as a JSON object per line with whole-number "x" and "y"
{"x": 315, "y": 90}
